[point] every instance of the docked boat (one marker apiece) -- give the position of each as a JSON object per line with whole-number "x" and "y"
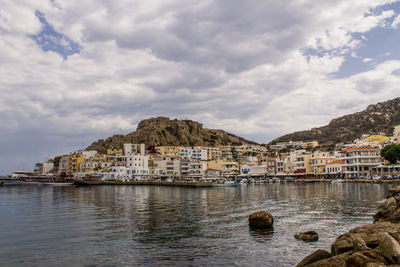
{"x": 222, "y": 182}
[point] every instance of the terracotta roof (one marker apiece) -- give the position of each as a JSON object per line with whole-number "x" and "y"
{"x": 336, "y": 162}
{"x": 360, "y": 148}
{"x": 211, "y": 170}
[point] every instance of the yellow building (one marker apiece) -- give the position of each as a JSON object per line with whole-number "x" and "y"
{"x": 95, "y": 164}
{"x": 74, "y": 163}
{"x": 227, "y": 168}
{"x": 168, "y": 151}
{"x": 377, "y": 139}
{"x": 318, "y": 161}
{"x": 310, "y": 144}
{"x": 214, "y": 153}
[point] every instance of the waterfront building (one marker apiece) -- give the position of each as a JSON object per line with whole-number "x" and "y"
{"x": 196, "y": 169}
{"x": 301, "y": 161}
{"x": 359, "y": 161}
{"x": 63, "y": 165}
{"x": 227, "y": 168}
{"x": 319, "y": 160}
{"x": 169, "y": 167}
{"x": 271, "y": 165}
{"x": 390, "y": 170}
{"x": 212, "y": 173}
{"x": 138, "y": 166}
{"x": 184, "y": 168}
{"x": 280, "y": 166}
{"x": 74, "y": 162}
{"x": 117, "y": 173}
{"x": 44, "y": 168}
{"x": 253, "y": 170}
{"x": 334, "y": 167}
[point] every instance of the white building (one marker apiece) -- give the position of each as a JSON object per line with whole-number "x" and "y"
{"x": 130, "y": 149}
{"x": 119, "y": 173}
{"x": 253, "y": 170}
{"x": 169, "y": 167}
{"x": 196, "y": 169}
{"x": 193, "y": 153}
{"x": 47, "y": 167}
{"x": 359, "y": 161}
{"x": 63, "y": 164}
{"x": 138, "y": 166}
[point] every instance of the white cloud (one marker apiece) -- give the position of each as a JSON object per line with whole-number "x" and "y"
{"x": 230, "y": 64}
{"x": 396, "y": 22}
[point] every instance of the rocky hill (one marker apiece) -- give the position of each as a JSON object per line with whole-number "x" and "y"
{"x": 162, "y": 131}
{"x": 381, "y": 117}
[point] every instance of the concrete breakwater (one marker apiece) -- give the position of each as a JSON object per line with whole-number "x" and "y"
{"x": 375, "y": 244}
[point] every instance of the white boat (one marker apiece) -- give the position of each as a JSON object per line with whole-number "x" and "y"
{"x": 222, "y": 182}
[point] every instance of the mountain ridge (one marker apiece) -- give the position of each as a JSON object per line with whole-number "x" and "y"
{"x": 162, "y": 131}
{"x": 381, "y": 117}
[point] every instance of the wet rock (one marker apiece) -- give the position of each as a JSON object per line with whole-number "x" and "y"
{"x": 307, "y": 236}
{"x": 389, "y": 248}
{"x": 358, "y": 243}
{"x": 369, "y": 233}
{"x": 261, "y": 220}
{"x": 394, "y": 216}
{"x": 395, "y": 191}
{"x": 336, "y": 261}
{"x": 314, "y": 257}
{"x": 362, "y": 258}
{"x": 342, "y": 244}
{"x": 374, "y": 264}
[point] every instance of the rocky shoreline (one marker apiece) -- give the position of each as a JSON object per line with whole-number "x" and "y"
{"x": 370, "y": 245}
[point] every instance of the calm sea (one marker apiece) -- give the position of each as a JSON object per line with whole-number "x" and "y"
{"x": 163, "y": 226}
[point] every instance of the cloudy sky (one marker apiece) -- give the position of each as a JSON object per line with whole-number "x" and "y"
{"x": 72, "y": 72}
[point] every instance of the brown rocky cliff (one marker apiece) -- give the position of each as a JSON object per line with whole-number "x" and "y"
{"x": 162, "y": 131}
{"x": 381, "y": 117}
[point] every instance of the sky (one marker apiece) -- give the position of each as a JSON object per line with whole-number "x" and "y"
{"x": 72, "y": 72}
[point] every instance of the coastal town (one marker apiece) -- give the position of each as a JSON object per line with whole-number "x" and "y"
{"x": 360, "y": 159}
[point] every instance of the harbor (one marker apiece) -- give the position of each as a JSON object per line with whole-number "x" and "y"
{"x": 165, "y": 225}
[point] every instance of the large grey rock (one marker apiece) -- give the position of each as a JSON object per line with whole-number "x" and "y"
{"x": 318, "y": 255}
{"x": 307, "y": 236}
{"x": 261, "y": 220}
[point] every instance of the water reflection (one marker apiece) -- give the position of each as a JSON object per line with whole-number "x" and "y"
{"x": 136, "y": 225}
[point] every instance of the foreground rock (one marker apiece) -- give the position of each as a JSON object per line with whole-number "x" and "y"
{"x": 318, "y": 255}
{"x": 307, "y": 236}
{"x": 261, "y": 220}
{"x": 370, "y": 245}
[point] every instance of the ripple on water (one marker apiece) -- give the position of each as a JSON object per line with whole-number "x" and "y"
{"x": 125, "y": 226}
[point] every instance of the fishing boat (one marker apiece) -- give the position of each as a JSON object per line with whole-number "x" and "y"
{"x": 223, "y": 182}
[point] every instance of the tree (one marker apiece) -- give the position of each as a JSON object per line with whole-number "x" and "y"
{"x": 391, "y": 153}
